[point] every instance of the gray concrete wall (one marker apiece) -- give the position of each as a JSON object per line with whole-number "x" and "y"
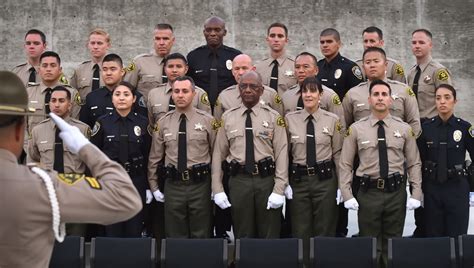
{"x": 130, "y": 24}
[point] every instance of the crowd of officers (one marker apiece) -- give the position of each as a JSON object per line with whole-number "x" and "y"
{"x": 212, "y": 140}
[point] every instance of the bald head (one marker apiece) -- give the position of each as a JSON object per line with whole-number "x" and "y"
{"x": 241, "y": 64}
{"x": 214, "y": 20}
{"x": 252, "y": 75}
{"x": 214, "y": 32}
{"x": 250, "y": 86}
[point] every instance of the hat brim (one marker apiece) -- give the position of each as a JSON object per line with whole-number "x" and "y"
{"x": 11, "y": 110}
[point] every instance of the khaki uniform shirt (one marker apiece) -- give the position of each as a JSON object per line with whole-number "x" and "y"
{"x": 404, "y": 104}
{"x": 395, "y": 70}
{"x": 159, "y": 100}
{"x": 329, "y": 101}
{"x": 23, "y": 71}
{"x": 361, "y": 139}
{"x": 286, "y": 76}
{"x": 145, "y": 72}
{"x": 81, "y": 78}
{"x": 270, "y": 140}
{"x": 26, "y": 229}
{"x": 230, "y": 98}
{"x": 201, "y": 130}
{"x": 328, "y": 132}
{"x": 42, "y": 142}
{"x": 432, "y": 75}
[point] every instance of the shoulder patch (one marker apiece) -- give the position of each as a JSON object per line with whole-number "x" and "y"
{"x": 131, "y": 67}
{"x": 88, "y": 133}
{"x": 471, "y": 131}
{"x": 216, "y": 124}
{"x": 399, "y": 69}
{"x": 277, "y": 99}
{"x": 93, "y": 183}
{"x": 348, "y": 132}
{"x": 336, "y": 100}
{"x": 205, "y": 99}
{"x": 410, "y": 92}
{"x": 339, "y": 127}
{"x": 63, "y": 80}
{"x": 357, "y": 72}
{"x": 442, "y": 75}
{"x": 96, "y": 129}
{"x": 77, "y": 99}
{"x": 281, "y": 121}
{"x": 412, "y": 133}
{"x": 70, "y": 178}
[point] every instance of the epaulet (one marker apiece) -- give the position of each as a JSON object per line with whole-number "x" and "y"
{"x": 363, "y": 119}
{"x": 462, "y": 122}
{"x": 21, "y": 64}
{"x": 293, "y": 87}
{"x": 31, "y": 84}
{"x": 329, "y": 114}
{"x": 77, "y": 121}
{"x": 142, "y": 55}
{"x": 392, "y": 60}
{"x": 290, "y": 58}
{"x": 200, "y": 89}
{"x": 227, "y": 89}
{"x": 361, "y": 84}
{"x": 264, "y": 59}
{"x": 268, "y": 108}
{"x": 231, "y": 49}
{"x": 44, "y": 121}
{"x": 267, "y": 88}
{"x": 358, "y": 61}
{"x": 168, "y": 113}
{"x": 328, "y": 89}
{"x": 87, "y": 61}
{"x": 293, "y": 113}
{"x": 200, "y": 47}
{"x": 201, "y": 112}
{"x": 398, "y": 119}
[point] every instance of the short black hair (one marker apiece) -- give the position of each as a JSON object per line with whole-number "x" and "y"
{"x": 113, "y": 57}
{"x": 379, "y": 82}
{"x": 311, "y": 84}
{"x": 175, "y": 56}
{"x": 304, "y": 53}
{"x": 187, "y": 78}
{"x": 279, "y": 25}
{"x": 50, "y": 54}
{"x": 163, "y": 26}
{"x": 126, "y": 84}
{"x": 373, "y": 29}
{"x": 38, "y": 32}
{"x": 422, "y": 30}
{"x": 375, "y": 49}
{"x": 62, "y": 88}
{"x": 448, "y": 87}
{"x": 331, "y": 31}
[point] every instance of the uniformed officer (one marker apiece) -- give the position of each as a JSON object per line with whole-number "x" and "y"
{"x": 210, "y": 65}
{"x": 27, "y": 212}
{"x": 86, "y": 77}
{"x": 159, "y": 98}
{"x": 100, "y": 101}
{"x": 146, "y": 70}
{"x": 230, "y": 97}
{"x": 251, "y": 145}
{"x": 35, "y": 45}
{"x": 443, "y": 144}
{"x": 335, "y": 71}
{"x": 382, "y": 142}
{"x": 39, "y": 95}
{"x": 277, "y": 70}
{"x": 404, "y": 104}
{"x": 373, "y": 37}
{"x": 315, "y": 145}
{"x": 123, "y": 136}
{"x": 179, "y": 168}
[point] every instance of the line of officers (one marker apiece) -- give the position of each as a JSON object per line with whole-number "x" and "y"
{"x": 306, "y": 147}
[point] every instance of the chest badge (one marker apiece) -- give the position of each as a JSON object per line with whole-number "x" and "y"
{"x": 427, "y": 79}
{"x": 137, "y": 130}
{"x": 289, "y": 73}
{"x": 198, "y": 126}
{"x": 337, "y": 73}
{"x": 325, "y": 130}
{"x": 228, "y": 65}
{"x": 397, "y": 134}
{"x": 457, "y": 135}
{"x": 265, "y": 123}
{"x": 394, "y": 96}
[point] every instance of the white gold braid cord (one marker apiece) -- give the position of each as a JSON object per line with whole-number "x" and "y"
{"x": 58, "y": 228}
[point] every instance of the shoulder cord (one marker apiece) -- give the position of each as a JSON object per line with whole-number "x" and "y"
{"x": 59, "y": 228}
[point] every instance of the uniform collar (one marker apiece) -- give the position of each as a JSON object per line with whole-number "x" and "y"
{"x": 218, "y": 50}
{"x": 425, "y": 64}
{"x": 168, "y": 89}
{"x": 451, "y": 121}
{"x": 68, "y": 120}
{"x": 316, "y": 115}
{"x": 373, "y": 120}
{"x": 43, "y": 87}
{"x": 189, "y": 113}
{"x": 336, "y": 59}
{"x": 280, "y": 60}
{"x": 116, "y": 116}
{"x": 255, "y": 109}
{"x": 6, "y": 155}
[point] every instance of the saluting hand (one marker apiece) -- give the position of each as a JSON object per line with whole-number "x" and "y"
{"x": 71, "y": 135}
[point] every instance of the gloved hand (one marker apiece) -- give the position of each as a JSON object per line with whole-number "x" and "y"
{"x": 338, "y": 197}
{"x": 288, "y": 192}
{"x": 412, "y": 204}
{"x": 275, "y": 201}
{"x": 352, "y": 204}
{"x": 159, "y": 196}
{"x": 149, "y": 197}
{"x": 221, "y": 200}
{"x": 71, "y": 135}
{"x": 471, "y": 199}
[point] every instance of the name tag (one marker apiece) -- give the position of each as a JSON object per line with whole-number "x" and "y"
{"x": 43, "y": 142}
{"x": 295, "y": 137}
{"x": 365, "y": 142}
{"x": 94, "y": 107}
{"x": 168, "y": 134}
{"x": 360, "y": 104}
{"x": 233, "y": 131}
{"x": 157, "y": 105}
{"x": 198, "y": 71}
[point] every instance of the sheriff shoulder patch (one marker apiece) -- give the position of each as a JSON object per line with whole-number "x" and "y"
{"x": 70, "y": 178}
{"x": 131, "y": 67}
{"x": 205, "y": 99}
{"x": 216, "y": 124}
{"x": 281, "y": 121}
{"x": 410, "y": 92}
{"x": 277, "y": 99}
{"x": 93, "y": 183}
{"x": 399, "y": 69}
{"x": 336, "y": 100}
{"x": 442, "y": 75}
{"x": 412, "y": 133}
{"x": 348, "y": 132}
{"x": 63, "y": 80}
{"x": 88, "y": 133}
{"x": 77, "y": 99}
{"x": 339, "y": 127}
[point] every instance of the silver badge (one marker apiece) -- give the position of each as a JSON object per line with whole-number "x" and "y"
{"x": 457, "y": 135}
{"x": 289, "y": 73}
{"x": 337, "y": 73}
{"x": 397, "y": 134}
{"x": 137, "y": 130}
{"x": 228, "y": 64}
{"x": 265, "y": 123}
{"x": 198, "y": 126}
{"x": 427, "y": 79}
{"x": 325, "y": 130}
{"x": 395, "y": 96}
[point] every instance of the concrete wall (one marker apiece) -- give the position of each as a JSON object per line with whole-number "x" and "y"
{"x": 130, "y": 24}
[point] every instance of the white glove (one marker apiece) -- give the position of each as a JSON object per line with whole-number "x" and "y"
{"x": 471, "y": 199}
{"x": 288, "y": 192}
{"x": 338, "y": 197}
{"x": 221, "y": 200}
{"x": 412, "y": 204}
{"x": 352, "y": 204}
{"x": 149, "y": 197}
{"x": 159, "y": 196}
{"x": 71, "y": 135}
{"x": 275, "y": 201}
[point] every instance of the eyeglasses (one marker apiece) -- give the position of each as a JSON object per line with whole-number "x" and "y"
{"x": 243, "y": 86}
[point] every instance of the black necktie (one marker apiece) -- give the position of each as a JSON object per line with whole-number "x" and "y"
{"x": 58, "y": 153}
{"x": 442, "y": 169}
{"x": 96, "y": 77}
{"x": 164, "y": 78}
{"x": 171, "y": 105}
{"x": 32, "y": 78}
{"x": 274, "y": 76}
{"x": 416, "y": 80}
{"x": 182, "y": 151}
{"x": 310, "y": 143}
{"x": 300, "y": 105}
{"x": 213, "y": 80}
{"x": 383, "y": 156}
{"x": 249, "y": 148}
{"x": 123, "y": 140}
{"x": 47, "y": 98}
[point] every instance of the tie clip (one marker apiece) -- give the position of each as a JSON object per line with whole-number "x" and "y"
{"x": 309, "y": 135}
{"x": 248, "y": 128}
{"x": 381, "y": 139}
{"x": 213, "y": 69}
{"x": 181, "y": 133}
{"x": 275, "y": 78}
{"x": 95, "y": 78}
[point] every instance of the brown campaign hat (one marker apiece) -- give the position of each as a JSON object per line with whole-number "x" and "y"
{"x": 13, "y": 96}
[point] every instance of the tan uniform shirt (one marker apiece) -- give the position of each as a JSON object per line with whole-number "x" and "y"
{"x": 81, "y": 78}
{"x": 145, "y": 72}
{"x": 270, "y": 139}
{"x": 159, "y": 100}
{"x": 23, "y": 71}
{"x": 328, "y": 132}
{"x": 286, "y": 77}
{"x": 329, "y": 101}
{"x": 395, "y": 70}
{"x": 201, "y": 130}
{"x": 26, "y": 229}
{"x": 432, "y": 75}
{"x": 230, "y": 98}
{"x": 36, "y": 95}
{"x": 42, "y": 142}
{"x": 361, "y": 139}
{"x": 404, "y": 104}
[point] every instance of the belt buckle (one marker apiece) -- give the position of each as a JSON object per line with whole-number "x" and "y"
{"x": 185, "y": 175}
{"x": 311, "y": 171}
{"x": 255, "y": 171}
{"x": 380, "y": 184}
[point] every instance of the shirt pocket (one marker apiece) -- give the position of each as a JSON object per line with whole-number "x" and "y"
{"x": 83, "y": 83}
{"x": 47, "y": 153}
{"x": 148, "y": 81}
{"x": 395, "y": 143}
{"x": 199, "y": 136}
{"x": 361, "y": 110}
{"x": 367, "y": 145}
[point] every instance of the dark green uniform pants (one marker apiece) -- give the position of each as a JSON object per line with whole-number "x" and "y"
{"x": 188, "y": 209}
{"x": 382, "y": 215}
{"x": 249, "y": 196}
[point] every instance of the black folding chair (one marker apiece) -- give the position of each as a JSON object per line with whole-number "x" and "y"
{"x": 271, "y": 253}
{"x": 185, "y": 253}
{"x": 69, "y": 253}
{"x": 123, "y": 252}
{"x": 466, "y": 251}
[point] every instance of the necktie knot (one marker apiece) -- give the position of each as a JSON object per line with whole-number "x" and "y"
{"x": 183, "y": 117}
{"x": 310, "y": 117}
{"x": 32, "y": 69}
{"x": 248, "y": 111}
{"x": 96, "y": 66}
{"x": 380, "y": 123}
{"x": 275, "y": 62}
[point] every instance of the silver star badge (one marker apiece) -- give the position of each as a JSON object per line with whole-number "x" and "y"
{"x": 289, "y": 73}
{"x": 325, "y": 130}
{"x": 265, "y": 123}
{"x": 394, "y": 96}
{"x": 397, "y": 134}
{"x": 198, "y": 126}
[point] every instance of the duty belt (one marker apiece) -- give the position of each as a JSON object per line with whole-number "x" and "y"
{"x": 390, "y": 184}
